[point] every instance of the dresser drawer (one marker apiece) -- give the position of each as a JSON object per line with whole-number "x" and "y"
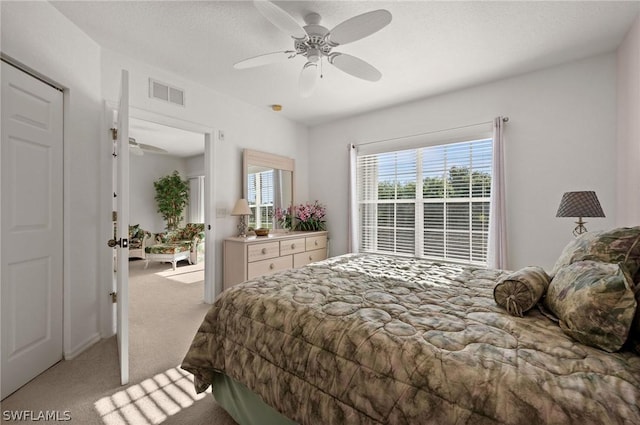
{"x": 292, "y": 246}
{"x": 251, "y": 257}
{"x": 263, "y": 251}
{"x": 261, "y": 268}
{"x": 316, "y": 242}
{"x": 305, "y": 258}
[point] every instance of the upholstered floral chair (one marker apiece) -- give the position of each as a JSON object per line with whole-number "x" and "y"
{"x": 190, "y": 237}
{"x": 139, "y": 239}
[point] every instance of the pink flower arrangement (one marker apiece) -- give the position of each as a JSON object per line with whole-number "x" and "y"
{"x": 310, "y": 216}
{"x": 284, "y": 216}
{"x": 307, "y": 216}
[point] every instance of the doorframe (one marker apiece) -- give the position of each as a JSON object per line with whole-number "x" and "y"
{"x": 107, "y": 324}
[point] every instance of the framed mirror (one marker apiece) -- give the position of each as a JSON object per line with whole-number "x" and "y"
{"x": 267, "y": 185}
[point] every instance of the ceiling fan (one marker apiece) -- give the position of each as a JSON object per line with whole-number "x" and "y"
{"x": 315, "y": 43}
{"x": 139, "y": 149}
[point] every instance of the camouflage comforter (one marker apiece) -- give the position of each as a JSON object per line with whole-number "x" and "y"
{"x": 364, "y": 339}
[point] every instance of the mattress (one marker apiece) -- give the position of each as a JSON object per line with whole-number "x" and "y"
{"x": 372, "y": 339}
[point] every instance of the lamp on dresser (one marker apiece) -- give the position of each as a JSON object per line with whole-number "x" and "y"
{"x": 580, "y": 204}
{"x": 241, "y": 209}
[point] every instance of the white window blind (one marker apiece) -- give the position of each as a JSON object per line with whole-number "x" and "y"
{"x": 430, "y": 202}
{"x": 260, "y": 199}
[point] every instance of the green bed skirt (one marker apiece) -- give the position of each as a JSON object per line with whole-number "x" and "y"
{"x": 244, "y": 406}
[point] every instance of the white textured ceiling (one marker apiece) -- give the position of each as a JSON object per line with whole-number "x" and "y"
{"x": 429, "y": 47}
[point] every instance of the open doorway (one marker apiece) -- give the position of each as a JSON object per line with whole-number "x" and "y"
{"x": 159, "y": 293}
{"x": 163, "y": 153}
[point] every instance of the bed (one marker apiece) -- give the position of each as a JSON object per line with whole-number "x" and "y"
{"x": 374, "y": 339}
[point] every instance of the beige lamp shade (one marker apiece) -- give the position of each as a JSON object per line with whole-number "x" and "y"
{"x": 241, "y": 208}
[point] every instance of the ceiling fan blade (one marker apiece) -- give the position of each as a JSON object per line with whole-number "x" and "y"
{"x": 266, "y": 59}
{"x": 308, "y": 79}
{"x": 280, "y": 19}
{"x": 135, "y": 150}
{"x": 139, "y": 149}
{"x": 355, "y": 66}
{"x": 134, "y": 147}
{"x": 359, "y": 27}
{"x": 150, "y": 148}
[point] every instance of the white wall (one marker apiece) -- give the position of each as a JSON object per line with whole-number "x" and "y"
{"x": 195, "y": 166}
{"x": 144, "y": 170}
{"x": 41, "y": 38}
{"x": 628, "y": 195}
{"x": 560, "y": 137}
{"x": 244, "y": 126}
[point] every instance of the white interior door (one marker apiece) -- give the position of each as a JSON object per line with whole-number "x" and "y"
{"x": 31, "y": 230}
{"x": 121, "y": 229}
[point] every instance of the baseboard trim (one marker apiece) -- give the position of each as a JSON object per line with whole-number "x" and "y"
{"x": 82, "y": 347}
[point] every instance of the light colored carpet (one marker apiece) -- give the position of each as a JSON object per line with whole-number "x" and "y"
{"x": 166, "y": 309}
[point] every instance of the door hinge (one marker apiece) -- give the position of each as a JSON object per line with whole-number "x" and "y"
{"x": 114, "y": 215}
{"x": 114, "y": 297}
{"x": 114, "y": 133}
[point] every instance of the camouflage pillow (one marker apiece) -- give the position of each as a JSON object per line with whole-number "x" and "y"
{"x": 134, "y": 230}
{"x": 595, "y": 303}
{"x": 634, "y": 334}
{"x": 520, "y": 291}
{"x": 621, "y": 245}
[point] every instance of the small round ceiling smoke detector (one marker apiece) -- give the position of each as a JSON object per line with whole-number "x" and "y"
{"x": 276, "y": 107}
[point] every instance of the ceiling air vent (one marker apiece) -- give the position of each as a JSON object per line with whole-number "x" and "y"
{"x": 163, "y": 91}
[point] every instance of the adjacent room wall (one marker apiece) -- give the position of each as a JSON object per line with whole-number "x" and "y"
{"x": 195, "y": 166}
{"x": 41, "y": 38}
{"x": 144, "y": 170}
{"x": 628, "y": 188}
{"x": 560, "y": 137}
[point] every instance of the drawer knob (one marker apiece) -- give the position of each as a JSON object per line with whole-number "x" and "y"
{"x": 264, "y": 250}
{"x": 272, "y": 266}
{"x": 293, "y": 246}
{"x": 310, "y": 258}
{"x": 316, "y": 242}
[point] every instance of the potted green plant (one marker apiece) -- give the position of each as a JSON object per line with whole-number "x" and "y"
{"x": 172, "y": 196}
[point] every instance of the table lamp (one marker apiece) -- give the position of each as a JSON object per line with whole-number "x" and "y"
{"x": 580, "y": 204}
{"x": 242, "y": 209}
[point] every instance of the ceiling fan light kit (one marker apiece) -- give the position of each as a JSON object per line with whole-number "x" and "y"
{"x": 315, "y": 42}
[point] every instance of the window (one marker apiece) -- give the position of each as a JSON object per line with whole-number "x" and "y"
{"x": 430, "y": 202}
{"x": 260, "y": 199}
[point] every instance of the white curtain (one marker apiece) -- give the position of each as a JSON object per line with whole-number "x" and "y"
{"x": 278, "y": 202}
{"x": 196, "y": 199}
{"x": 497, "y": 250}
{"x": 353, "y": 201}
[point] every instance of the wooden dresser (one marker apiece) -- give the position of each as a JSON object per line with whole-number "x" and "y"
{"x": 247, "y": 258}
